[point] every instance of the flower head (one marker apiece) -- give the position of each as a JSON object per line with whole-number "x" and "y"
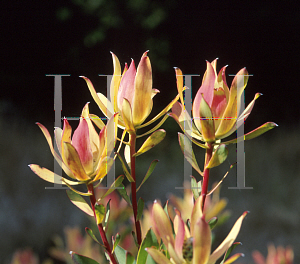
{"x": 190, "y": 244}
{"x": 85, "y": 156}
{"x": 131, "y": 93}
{"x": 279, "y": 255}
{"x": 217, "y": 109}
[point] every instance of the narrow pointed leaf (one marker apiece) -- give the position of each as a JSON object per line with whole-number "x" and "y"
{"x": 77, "y": 200}
{"x": 124, "y": 194}
{"x": 100, "y": 212}
{"x": 79, "y": 259}
{"x": 212, "y": 222}
{"x": 154, "y": 128}
{"x": 150, "y": 240}
{"x": 92, "y": 236}
{"x": 229, "y": 250}
{"x": 95, "y": 96}
{"x": 254, "y": 133}
{"x": 76, "y": 191}
{"x": 114, "y": 185}
{"x": 149, "y": 172}
{"x": 228, "y": 241}
{"x": 187, "y": 150}
{"x": 233, "y": 258}
{"x": 196, "y": 189}
{"x": 140, "y": 209}
{"x": 116, "y": 241}
{"x": 50, "y": 176}
{"x": 106, "y": 215}
{"x": 151, "y": 141}
{"x": 158, "y": 256}
{"x": 179, "y": 81}
{"x": 124, "y": 167}
{"x": 218, "y": 157}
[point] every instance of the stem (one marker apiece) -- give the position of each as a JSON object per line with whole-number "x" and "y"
{"x": 208, "y": 156}
{"x": 132, "y": 140}
{"x": 100, "y": 227}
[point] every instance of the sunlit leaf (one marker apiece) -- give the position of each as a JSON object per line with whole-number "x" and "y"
{"x": 218, "y": 157}
{"x": 106, "y": 215}
{"x": 187, "y": 150}
{"x": 77, "y": 200}
{"x": 124, "y": 167}
{"x": 100, "y": 212}
{"x": 254, "y": 133}
{"x": 151, "y": 141}
{"x": 196, "y": 187}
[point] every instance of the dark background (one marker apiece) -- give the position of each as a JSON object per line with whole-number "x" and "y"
{"x": 75, "y": 37}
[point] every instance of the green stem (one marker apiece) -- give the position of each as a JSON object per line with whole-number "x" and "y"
{"x": 132, "y": 141}
{"x": 208, "y": 156}
{"x": 100, "y": 227}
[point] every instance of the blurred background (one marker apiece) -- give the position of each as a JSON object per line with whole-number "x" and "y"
{"x": 75, "y": 37}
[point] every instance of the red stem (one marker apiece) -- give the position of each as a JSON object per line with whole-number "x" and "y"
{"x": 132, "y": 140}
{"x": 100, "y": 227}
{"x": 208, "y": 156}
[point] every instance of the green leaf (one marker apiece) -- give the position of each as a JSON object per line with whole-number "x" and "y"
{"x": 254, "y": 133}
{"x": 127, "y": 174}
{"x": 196, "y": 187}
{"x": 114, "y": 185}
{"x": 129, "y": 258}
{"x": 77, "y": 200}
{"x": 106, "y": 215}
{"x": 229, "y": 250}
{"x": 116, "y": 241}
{"x": 120, "y": 254}
{"x": 100, "y": 212}
{"x": 124, "y": 194}
{"x": 76, "y": 191}
{"x": 151, "y": 141}
{"x": 218, "y": 157}
{"x": 140, "y": 209}
{"x": 187, "y": 150}
{"x": 212, "y": 222}
{"x": 79, "y": 259}
{"x": 149, "y": 172}
{"x": 149, "y": 241}
{"x": 91, "y": 234}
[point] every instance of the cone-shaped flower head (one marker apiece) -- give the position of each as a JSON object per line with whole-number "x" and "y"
{"x": 85, "y": 156}
{"x": 131, "y": 93}
{"x": 135, "y": 93}
{"x": 190, "y": 245}
{"x": 217, "y": 109}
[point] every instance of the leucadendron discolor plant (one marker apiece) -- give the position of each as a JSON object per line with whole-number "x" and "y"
{"x": 87, "y": 156}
